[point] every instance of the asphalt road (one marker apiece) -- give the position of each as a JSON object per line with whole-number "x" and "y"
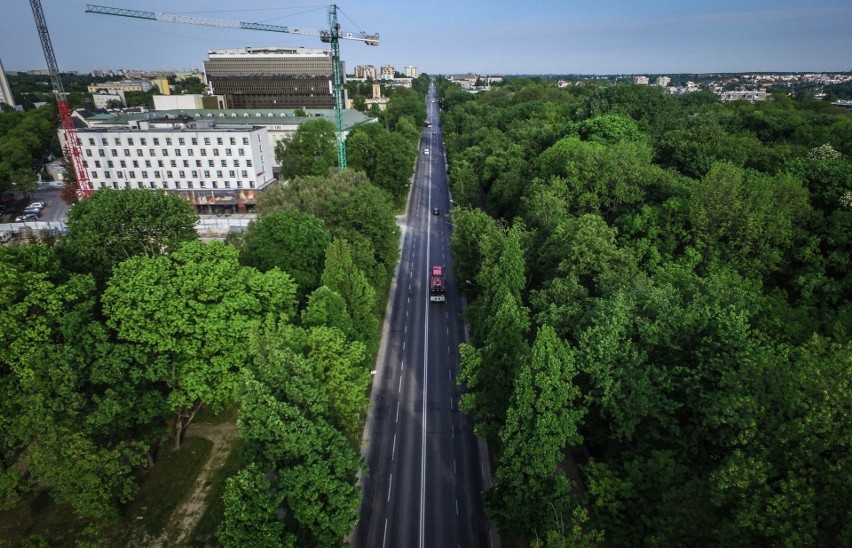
{"x": 424, "y": 484}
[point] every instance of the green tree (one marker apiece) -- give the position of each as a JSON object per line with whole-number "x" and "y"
{"x": 290, "y": 240}
{"x": 530, "y": 494}
{"x": 197, "y": 306}
{"x": 251, "y": 507}
{"x": 311, "y": 151}
{"x": 114, "y": 225}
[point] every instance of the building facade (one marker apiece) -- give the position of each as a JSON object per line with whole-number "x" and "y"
{"x": 387, "y": 72}
{"x": 124, "y": 85}
{"x": 411, "y": 71}
{"x": 252, "y": 78}
{"x": 213, "y": 167}
{"x": 365, "y": 71}
{"x": 102, "y": 99}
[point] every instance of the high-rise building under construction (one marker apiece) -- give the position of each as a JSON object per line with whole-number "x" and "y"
{"x": 272, "y": 77}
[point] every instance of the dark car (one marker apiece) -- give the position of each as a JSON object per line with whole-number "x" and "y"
{"x": 434, "y": 133}
{"x": 436, "y": 211}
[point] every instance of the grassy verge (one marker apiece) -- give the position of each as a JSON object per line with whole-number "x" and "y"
{"x": 205, "y": 531}
{"x": 38, "y": 521}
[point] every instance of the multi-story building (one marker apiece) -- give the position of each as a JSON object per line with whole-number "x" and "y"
{"x": 124, "y": 85}
{"x": 365, "y": 71}
{"x": 411, "y": 71}
{"x": 211, "y": 166}
{"x": 387, "y": 72}
{"x": 641, "y": 80}
{"x": 273, "y": 77}
{"x": 5, "y": 90}
{"x": 102, "y": 99}
{"x": 663, "y": 81}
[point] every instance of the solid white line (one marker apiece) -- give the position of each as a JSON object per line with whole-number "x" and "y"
{"x": 425, "y": 386}
{"x": 393, "y": 449}
{"x": 390, "y": 487}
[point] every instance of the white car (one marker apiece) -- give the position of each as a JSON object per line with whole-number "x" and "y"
{"x": 426, "y": 151}
{"x": 36, "y": 204}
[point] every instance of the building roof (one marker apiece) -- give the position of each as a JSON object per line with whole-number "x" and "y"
{"x": 258, "y": 117}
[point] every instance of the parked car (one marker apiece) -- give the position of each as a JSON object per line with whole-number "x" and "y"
{"x": 33, "y": 211}
{"x": 36, "y": 204}
{"x": 26, "y": 218}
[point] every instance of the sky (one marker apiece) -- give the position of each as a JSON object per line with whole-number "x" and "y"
{"x": 458, "y": 36}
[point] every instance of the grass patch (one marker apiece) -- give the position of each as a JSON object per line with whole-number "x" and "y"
{"x": 164, "y": 487}
{"x": 205, "y": 531}
{"x": 38, "y": 521}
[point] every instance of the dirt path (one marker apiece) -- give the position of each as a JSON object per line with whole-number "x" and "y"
{"x": 187, "y": 515}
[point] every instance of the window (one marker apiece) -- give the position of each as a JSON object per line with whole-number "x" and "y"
{"x": 177, "y": 184}
{"x": 97, "y": 163}
{"x": 117, "y": 141}
{"x": 177, "y": 152}
{"x": 135, "y": 163}
{"x": 245, "y": 140}
{"x": 156, "y": 174}
{"x": 165, "y": 152}
{"x": 251, "y": 184}
{"x": 218, "y": 140}
{"x": 113, "y": 151}
{"x": 91, "y": 142}
{"x": 198, "y": 163}
{"x": 227, "y": 152}
{"x": 168, "y": 141}
{"x": 139, "y": 152}
{"x": 94, "y": 174}
{"x": 211, "y": 163}
{"x": 224, "y": 163}
{"x": 151, "y": 152}
{"x": 131, "y": 174}
{"x": 181, "y": 174}
{"x": 110, "y": 164}
{"x": 169, "y": 174}
{"x": 195, "y": 174}
{"x": 102, "y": 154}
{"x": 181, "y": 141}
{"x": 127, "y": 152}
{"x": 239, "y": 184}
{"x": 194, "y": 141}
{"x": 103, "y": 141}
{"x": 215, "y": 152}
{"x": 204, "y": 152}
{"x": 248, "y": 163}
{"x": 214, "y": 184}
{"x": 242, "y": 152}
{"x": 202, "y": 184}
{"x": 190, "y": 152}
{"x": 233, "y": 141}
{"x": 207, "y": 140}
{"x": 119, "y": 174}
{"x": 139, "y": 185}
{"x": 232, "y": 174}
{"x": 173, "y": 163}
{"x": 130, "y": 141}
{"x": 156, "y": 141}
{"x": 236, "y": 163}
{"x": 166, "y": 185}
{"x": 103, "y": 185}
{"x": 206, "y": 174}
{"x": 144, "y": 174}
{"x": 151, "y": 184}
{"x": 114, "y": 185}
{"x": 123, "y": 163}
{"x": 244, "y": 173}
{"x": 143, "y": 141}
{"x": 186, "y": 163}
{"x": 106, "y": 174}
{"x": 147, "y": 163}
{"x": 160, "y": 163}
{"x": 88, "y": 153}
{"x": 219, "y": 174}
{"x": 227, "y": 184}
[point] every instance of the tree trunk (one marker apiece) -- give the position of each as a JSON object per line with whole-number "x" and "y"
{"x": 181, "y": 425}
{"x": 178, "y": 430}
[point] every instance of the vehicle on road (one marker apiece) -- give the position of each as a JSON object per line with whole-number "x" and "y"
{"x": 426, "y": 151}
{"x": 26, "y": 218}
{"x": 434, "y": 133}
{"x": 436, "y": 211}
{"x": 436, "y": 285}
{"x": 36, "y": 204}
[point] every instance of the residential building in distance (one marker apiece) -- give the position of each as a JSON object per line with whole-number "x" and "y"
{"x": 365, "y": 71}
{"x": 749, "y": 96}
{"x": 216, "y": 168}
{"x": 272, "y": 77}
{"x": 641, "y": 80}
{"x": 411, "y": 72}
{"x": 5, "y": 89}
{"x": 387, "y": 72}
{"x": 662, "y": 81}
{"x": 124, "y": 85}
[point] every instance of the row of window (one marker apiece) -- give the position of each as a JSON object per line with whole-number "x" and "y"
{"x": 165, "y": 152}
{"x": 172, "y": 163}
{"x": 169, "y": 174}
{"x": 177, "y": 185}
{"x": 168, "y": 140}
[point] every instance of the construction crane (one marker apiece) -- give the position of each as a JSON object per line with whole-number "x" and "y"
{"x": 84, "y": 184}
{"x": 331, "y": 36}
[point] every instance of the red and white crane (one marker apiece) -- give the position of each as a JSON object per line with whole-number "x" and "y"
{"x": 73, "y": 150}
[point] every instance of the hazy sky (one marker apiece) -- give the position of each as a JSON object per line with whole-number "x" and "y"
{"x": 444, "y": 36}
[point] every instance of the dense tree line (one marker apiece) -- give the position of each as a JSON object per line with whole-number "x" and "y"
{"x": 26, "y": 139}
{"x": 664, "y": 280}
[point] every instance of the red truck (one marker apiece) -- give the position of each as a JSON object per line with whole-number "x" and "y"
{"x": 436, "y": 284}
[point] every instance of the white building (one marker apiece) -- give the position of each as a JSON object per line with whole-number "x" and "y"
{"x": 749, "y": 96}
{"x": 387, "y": 72}
{"x": 124, "y": 85}
{"x": 663, "y": 81}
{"x": 640, "y": 80}
{"x": 411, "y": 72}
{"x": 365, "y": 71}
{"x": 216, "y": 167}
{"x": 188, "y": 101}
{"x": 102, "y": 99}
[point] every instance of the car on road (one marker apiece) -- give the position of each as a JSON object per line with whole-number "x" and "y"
{"x": 434, "y": 133}
{"x": 426, "y": 151}
{"x": 436, "y": 211}
{"x": 26, "y": 218}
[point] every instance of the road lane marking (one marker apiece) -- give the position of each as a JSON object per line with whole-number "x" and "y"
{"x": 385, "y": 536}
{"x": 399, "y": 388}
{"x": 393, "y": 449}
{"x": 390, "y": 486}
{"x": 397, "y": 413}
